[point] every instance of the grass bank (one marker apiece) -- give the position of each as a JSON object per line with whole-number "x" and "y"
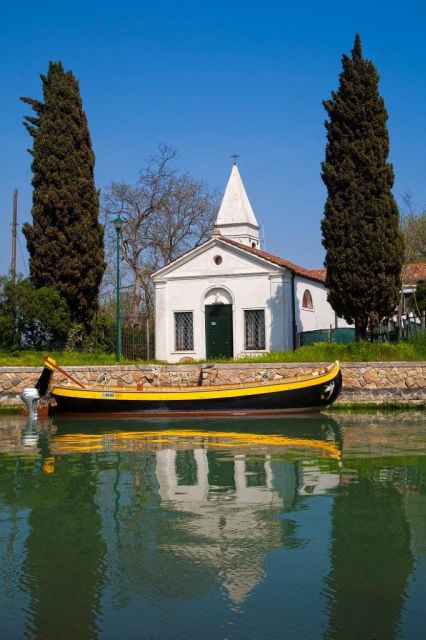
{"x": 35, "y": 358}
{"x": 411, "y": 350}
{"x": 376, "y": 407}
{"x": 6, "y": 409}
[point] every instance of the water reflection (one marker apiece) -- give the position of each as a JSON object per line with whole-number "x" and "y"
{"x": 214, "y": 528}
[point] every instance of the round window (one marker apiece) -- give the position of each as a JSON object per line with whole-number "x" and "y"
{"x": 218, "y": 259}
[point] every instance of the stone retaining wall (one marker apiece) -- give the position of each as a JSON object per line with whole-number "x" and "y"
{"x": 362, "y": 382}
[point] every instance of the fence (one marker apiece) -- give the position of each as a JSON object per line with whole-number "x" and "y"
{"x": 138, "y": 340}
{"x": 340, "y": 336}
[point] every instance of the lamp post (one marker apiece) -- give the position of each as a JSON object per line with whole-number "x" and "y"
{"x": 118, "y": 224}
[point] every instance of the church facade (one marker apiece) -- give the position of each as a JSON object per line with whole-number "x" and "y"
{"x": 228, "y": 298}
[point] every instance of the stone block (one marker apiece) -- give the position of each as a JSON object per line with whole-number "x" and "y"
{"x": 354, "y": 384}
{"x": 370, "y": 376}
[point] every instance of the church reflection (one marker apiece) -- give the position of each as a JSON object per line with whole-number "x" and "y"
{"x": 234, "y": 504}
{"x": 220, "y": 515}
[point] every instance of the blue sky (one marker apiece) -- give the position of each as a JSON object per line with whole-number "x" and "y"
{"x": 213, "y": 79}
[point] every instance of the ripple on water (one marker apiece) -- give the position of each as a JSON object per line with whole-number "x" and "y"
{"x": 226, "y": 529}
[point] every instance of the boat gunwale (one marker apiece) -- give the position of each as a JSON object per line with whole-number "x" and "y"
{"x": 270, "y": 386}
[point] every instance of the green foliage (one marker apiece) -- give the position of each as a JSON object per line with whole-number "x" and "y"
{"x": 9, "y": 338}
{"x": 375, "y": 408}
{"x": 417, "y": 301}
{"x": 360, "y": 351}
{"x": 65, "y": 241}
{"x": 75, "y": 337}
{"x": 31, "y": 318}
{"x": 73, "y": 358}
{"x": 99, "y": 338}
{"x": 418, "y": 342}
{"x": 102, "y": 335}
{"x": 413, "y": 349}
{"x": 361, "y": 220}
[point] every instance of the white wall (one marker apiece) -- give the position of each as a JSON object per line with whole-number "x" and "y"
{"x": 322, "y": 314}
{"x": 248, "y": 282}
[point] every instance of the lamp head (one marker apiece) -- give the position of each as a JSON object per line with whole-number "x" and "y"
{"x": 118, "y": 223}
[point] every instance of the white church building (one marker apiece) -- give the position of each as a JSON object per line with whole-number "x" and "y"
{"x": 228, "y": 298}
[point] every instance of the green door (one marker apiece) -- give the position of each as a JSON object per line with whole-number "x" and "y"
{"x": 219, "y": 343}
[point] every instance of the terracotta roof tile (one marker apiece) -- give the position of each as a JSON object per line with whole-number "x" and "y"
{"x": 313, "y": 274}
{"x": 413, "y": 272}
{"x": 319, "y": 273}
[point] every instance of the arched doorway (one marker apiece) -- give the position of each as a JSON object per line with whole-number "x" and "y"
{"x": 219, "y": 325}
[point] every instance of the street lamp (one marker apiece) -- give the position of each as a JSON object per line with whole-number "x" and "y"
{"x": 118, "y": 224}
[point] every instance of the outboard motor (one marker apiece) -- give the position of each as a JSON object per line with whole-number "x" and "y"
{"x": 29, "y": 437}
{"x": 30, "y": 396}
{"x": 43, "y": 382}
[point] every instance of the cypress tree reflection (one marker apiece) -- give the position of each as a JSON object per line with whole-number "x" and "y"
{"x": 64, "y": 564}
{"x": 371, "y": 561}
{"x": 141, "y": 557}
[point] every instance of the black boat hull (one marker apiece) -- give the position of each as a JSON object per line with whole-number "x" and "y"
{"x": 310, "y": 398}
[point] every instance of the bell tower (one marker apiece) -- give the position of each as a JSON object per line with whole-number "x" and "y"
{"x": 236, "y": 219}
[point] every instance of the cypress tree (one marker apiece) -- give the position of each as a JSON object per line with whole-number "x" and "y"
{"x": 65, "y": 241}
{"x": 364, "y": 247}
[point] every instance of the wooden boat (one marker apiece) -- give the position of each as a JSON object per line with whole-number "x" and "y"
{"x": 311, "y": 392}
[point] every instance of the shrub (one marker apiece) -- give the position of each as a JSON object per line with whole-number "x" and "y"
{"x": 99, "y": 338}
{"x": 31, "y": 318}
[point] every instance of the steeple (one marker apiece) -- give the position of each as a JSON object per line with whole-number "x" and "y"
{"x": 236, "y": 219}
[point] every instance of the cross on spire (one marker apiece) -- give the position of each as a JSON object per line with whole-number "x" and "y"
{"x": 235, "y": 157}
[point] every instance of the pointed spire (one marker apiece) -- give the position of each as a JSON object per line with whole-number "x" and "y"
{"x": 235, "y": 207}
{"x": 236, "y": 219}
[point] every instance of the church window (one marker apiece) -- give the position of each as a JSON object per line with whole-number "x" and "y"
{"x": 217, "y": 260}
{"x": 184, "y": 331}
{"x": 186, "y": 468}
{"x": 253, "y": 245}
{"x": 254, "y": 329}
{"x": 307, "y": 300}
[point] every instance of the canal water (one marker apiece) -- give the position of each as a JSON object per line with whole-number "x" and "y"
{"x": 293, "y": 528}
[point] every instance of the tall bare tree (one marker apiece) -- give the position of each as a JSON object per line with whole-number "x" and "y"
{"x": 165, "y": 214}
{"x": 413, "y": 227}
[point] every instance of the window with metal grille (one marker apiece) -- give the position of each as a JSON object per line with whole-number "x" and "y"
{"x": 184, "y": 333}
{"x": 254, "y": 329}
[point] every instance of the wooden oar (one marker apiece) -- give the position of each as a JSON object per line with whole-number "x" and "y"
{"x": 52, "y": 364}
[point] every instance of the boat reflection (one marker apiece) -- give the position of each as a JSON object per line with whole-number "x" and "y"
{"x": 76, "y": 436}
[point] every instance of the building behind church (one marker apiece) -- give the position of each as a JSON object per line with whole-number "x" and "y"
{"x": 228, "y": 297}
